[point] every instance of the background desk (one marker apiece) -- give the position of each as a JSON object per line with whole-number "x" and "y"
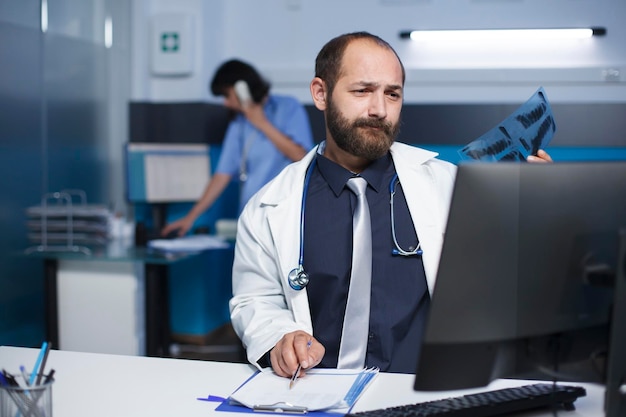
{"x": 115, "y": 385}
{"x": 115, "y": 300}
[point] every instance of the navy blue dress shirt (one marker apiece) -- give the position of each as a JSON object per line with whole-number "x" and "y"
{"x": 399, "y": 298}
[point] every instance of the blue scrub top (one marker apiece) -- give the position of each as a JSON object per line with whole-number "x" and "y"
{"x": 263, "y": 161}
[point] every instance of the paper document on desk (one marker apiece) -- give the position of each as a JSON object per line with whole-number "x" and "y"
{"x": 188, "y": 243}
{"x": 523, "y": 133}
{"x": 331, "y": 390}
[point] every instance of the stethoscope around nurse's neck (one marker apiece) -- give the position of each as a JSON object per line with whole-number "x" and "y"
{"x": 243, "y": 162}
{"x": 298, "y": 278}
{"x": 249, "y": 134}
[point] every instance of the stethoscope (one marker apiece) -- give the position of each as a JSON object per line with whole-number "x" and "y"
{"x": 398, "y": 250}
{"x": 247, "y": 143}
{"x": 298, "y": 278}
{"x": 243, "y": 164}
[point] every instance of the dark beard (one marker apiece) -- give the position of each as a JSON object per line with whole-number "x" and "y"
{"x": 369, "y": 144}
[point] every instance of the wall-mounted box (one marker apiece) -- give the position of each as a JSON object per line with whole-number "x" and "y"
{"x": 172, "y": 44}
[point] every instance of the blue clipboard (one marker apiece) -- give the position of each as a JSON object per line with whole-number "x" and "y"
{"x": 228, "y": 405}
{"x": 233, "y": 408}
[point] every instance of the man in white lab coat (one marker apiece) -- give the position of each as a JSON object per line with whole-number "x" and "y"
{"x": 358, "y": 85}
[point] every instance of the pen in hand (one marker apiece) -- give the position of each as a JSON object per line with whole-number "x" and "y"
{"x": 293, "y": 379}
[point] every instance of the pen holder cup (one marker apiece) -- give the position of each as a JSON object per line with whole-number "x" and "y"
{"x": 22, "y": 400}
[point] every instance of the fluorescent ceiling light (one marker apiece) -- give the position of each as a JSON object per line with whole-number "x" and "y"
{"x": 108, "y": 32}
{"x": 44, "y": 16}
{"x": 501, "y": 34}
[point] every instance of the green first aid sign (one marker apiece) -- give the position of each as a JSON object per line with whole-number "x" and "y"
{"x": 170, "y": 42}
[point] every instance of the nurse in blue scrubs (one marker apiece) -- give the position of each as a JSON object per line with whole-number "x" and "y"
{"x": 266, "y": 134}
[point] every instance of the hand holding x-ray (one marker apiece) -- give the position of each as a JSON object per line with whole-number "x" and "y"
{"x": 526, "y": 131}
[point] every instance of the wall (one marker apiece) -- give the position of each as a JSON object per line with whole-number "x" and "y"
{"x": 63, "y": 118}
{"x": 584, "y": 80}
{"x": 282, "y": 37}
{"x": 208, "y": 28}
{"x": 21, "y": 169}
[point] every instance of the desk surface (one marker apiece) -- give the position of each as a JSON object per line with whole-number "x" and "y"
{"x": 115, "y": 251}
{"x": 114, "y": 385}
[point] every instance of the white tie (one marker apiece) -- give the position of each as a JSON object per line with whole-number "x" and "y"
{"x": 355, "y": 331}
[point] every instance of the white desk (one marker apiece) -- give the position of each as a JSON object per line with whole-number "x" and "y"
{"x": 96, "y": 385}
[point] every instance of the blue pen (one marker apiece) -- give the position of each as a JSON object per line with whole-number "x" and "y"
{"x": 3, "y": 380}
{"x": 23, "y": 371}
{"x": 42, "y": 367}
{"x": 42, "y": 353}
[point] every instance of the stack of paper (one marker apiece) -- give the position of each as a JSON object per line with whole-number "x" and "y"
{"x": 194, "y": 243}
{"x": 328, "y": 390}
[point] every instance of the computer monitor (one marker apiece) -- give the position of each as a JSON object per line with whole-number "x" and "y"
{"x": 166, "y": 172}
{"x": 525, "y": 286}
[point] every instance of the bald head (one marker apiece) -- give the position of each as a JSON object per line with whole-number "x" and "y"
{"x": 329, "y": 61}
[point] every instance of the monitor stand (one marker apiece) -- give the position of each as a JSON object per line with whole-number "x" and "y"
{"x": 615, "y": 396}
{"x": 158, "y": 218}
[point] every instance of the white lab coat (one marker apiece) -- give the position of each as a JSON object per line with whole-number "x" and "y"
{"x": 264, "y": 307}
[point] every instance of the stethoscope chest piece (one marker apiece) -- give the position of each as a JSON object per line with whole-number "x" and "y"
{"x": 298, "y": 278}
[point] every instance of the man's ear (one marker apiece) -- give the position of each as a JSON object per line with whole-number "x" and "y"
{"x": 318, "y": 93}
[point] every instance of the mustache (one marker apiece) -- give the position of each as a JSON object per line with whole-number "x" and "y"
{"x": 374, "y": 123}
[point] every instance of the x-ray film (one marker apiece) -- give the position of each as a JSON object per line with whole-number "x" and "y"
{"x": 523, "y": 133}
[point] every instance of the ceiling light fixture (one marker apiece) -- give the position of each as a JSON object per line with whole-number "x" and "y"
{"x": 501, "y": 34}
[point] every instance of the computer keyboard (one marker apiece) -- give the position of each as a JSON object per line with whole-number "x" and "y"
{"x": 488, "y": 403}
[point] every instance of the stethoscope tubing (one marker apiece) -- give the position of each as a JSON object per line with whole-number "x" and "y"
{"x": 398, "y": 250}
{"x": 298, "y": 278}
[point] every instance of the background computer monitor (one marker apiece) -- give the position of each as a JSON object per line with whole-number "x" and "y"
{"x": 166, "y": 172}
{"x": 525, "y": 282}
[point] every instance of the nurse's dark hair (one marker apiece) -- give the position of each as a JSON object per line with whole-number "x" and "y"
{"x": 234, "y": 70}
{"x": 329, "y": 59}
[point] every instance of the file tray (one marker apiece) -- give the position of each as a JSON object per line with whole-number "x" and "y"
{"x": 60, "y": 224}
